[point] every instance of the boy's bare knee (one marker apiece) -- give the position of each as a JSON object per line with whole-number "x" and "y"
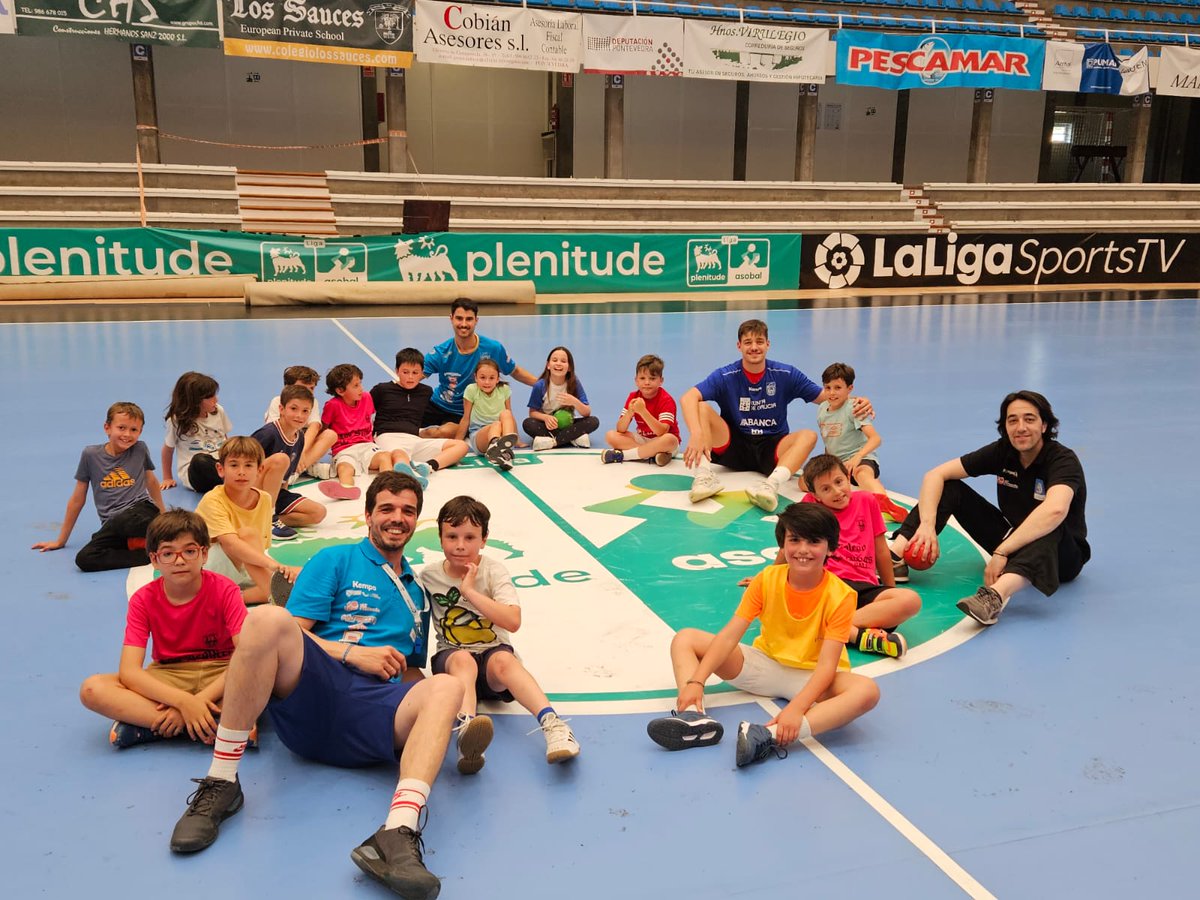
{"x": 88, "y": 690}
{"x": 444, "y": 691}
{"x": 462, "y": 663}
{"x": 265, "y": 626}
{"x": 868, "y": 695}
{"x": 912, "y": 601}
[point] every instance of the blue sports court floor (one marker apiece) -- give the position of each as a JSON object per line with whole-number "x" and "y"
{"x": 1053, "y": 755}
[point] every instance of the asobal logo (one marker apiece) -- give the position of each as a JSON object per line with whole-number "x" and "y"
{"x": 732, "y": 261}
{"x": 838, "y": 260}
{"x": 609, "y": 561}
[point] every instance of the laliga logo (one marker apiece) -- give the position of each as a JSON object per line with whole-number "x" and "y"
{"x": 838, "y": 260}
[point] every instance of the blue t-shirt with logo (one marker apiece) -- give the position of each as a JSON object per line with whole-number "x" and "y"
{"x": 456, "y": 370}
{"x": 755, "y": 408}
{"x": 270, "y": 436}
{"x": 351, "y": 599}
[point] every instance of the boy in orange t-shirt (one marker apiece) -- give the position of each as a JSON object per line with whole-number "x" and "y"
{"x": 806, "y": 614}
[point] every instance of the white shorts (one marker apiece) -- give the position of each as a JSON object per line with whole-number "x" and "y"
{"x": 357, "y": 455}
{"x": 219, "y": 562}
{"x": 419, "y": 449}
{"x": 765, "y": 677}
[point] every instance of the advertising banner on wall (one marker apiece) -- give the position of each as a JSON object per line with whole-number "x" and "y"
{"x": 632, "y": 45}
{"x": 902, "y": 61}
{"x": 844, "y": 260}
{"x": 740, "y": 51}
{"x": 556, "y": 263}
{"x": 1179, "y": 72}
{"x": 179, "y": 23}
{"x": 8, "y": 18}
{"x": 1094, "y": 69}
{"x": 340, "y": 32}
{"x": 471, "y": 35}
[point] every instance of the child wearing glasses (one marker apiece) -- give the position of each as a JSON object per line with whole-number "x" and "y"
{"x": 194, "y": 617}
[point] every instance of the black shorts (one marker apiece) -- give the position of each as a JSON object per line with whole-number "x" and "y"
{"x": 867, "y": 591}
{"x": 286, "y": 502}
{"x": 749, "y": 452}
{"x": 874, "y": 466}
{"x": 435, "y": 415}
{"x": 483, "y": 690}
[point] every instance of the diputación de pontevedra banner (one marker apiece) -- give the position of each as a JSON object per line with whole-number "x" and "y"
{"x": 180, "y": 23}
{"x": 341, "y": 32}
{"x": 904, "y": 61}
{"x": 741, "y": 51}
{"x": 632, "y": 45}
{"x": 520, "y": 38}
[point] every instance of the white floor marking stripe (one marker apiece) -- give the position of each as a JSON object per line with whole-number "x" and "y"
{"x": 363, "y": 347}
{"x": 892, "y": 816}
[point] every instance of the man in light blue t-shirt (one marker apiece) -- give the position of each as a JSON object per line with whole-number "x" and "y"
{"x": 454, "y": 361}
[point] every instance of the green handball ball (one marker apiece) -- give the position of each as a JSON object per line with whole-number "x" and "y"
{"x": 564, "y": 417}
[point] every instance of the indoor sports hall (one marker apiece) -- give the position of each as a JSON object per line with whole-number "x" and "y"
{"x": 1047, "y": 755}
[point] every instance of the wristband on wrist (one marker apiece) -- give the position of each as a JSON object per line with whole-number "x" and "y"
{"x": 346, "y": 653}
{"x": 998, "y": 553}
{"x": 694, "y": 681}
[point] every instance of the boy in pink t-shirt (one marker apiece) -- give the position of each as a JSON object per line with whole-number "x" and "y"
{"x": 194, "y": 618}
{"x": 350, "y": 413}
{"x": 862, "y": 559}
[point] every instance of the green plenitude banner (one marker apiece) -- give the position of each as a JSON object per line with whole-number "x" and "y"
{"x": 179, "y": 23}
{"x": 556, "y": 263}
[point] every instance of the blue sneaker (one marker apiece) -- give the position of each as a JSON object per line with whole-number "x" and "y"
{"x": 754, "y": 743}
{"x": 122, "y": 735}
{"x": 281, "y": 532}
{"x": 405, "y": 469}
{"x": 681, "y": 731}
{"x": 423, "y": 472}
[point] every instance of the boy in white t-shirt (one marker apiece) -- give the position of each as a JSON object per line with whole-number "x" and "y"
{"x": 475, "y": 609}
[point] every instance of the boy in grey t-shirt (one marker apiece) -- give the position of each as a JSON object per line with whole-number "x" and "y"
{"x": 127, "y": 494}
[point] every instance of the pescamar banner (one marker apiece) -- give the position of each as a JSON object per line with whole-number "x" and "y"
{"x": 556, "y": 263}
{"x": 179, "y": 23}
{"x": 844, "y": 260}
{"x": 632, "y": 45}
{"x": 901, "y": 61}
{"x": 340, "y": 32}
{"x": 740, "y": 51}
{"x": 521, "y": 38}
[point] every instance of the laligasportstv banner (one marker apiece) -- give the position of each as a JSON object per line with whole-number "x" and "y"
{"x": 902, "y": 61}
{"x": 556, "y": 263}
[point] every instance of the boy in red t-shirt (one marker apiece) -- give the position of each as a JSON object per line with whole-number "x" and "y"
{"x": 652, "y": 410}
{"x": 194, "y": 617}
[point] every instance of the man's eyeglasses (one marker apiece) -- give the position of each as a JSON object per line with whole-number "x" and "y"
{"x": 188, "y": 553}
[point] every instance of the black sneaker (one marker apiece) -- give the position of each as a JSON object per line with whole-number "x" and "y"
{"x": 754, "y": 744}
{"x": 984, "y": 606}
{"x": 122, "y": 735}
{"x": 281, "y": 589}
{"x": 681, "y": 731}
{"x": 393, "y": 858}
{"x": 210, "y": 804}
{"x": 899, "y": 569}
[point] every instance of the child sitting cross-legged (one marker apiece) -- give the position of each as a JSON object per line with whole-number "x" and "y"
{"x": 475, "y": 608}
{"x": 194, "y": 618}
{"x": 805, "y": 612}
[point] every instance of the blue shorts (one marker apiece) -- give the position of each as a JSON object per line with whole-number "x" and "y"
{"x": 483, "y": 690}
{"x": 286, "y": 502}
{"x": 337, "y": 716}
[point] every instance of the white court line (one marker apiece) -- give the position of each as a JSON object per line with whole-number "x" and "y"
{"x": 363, "y": 347}
{"x": 891, "y": 815}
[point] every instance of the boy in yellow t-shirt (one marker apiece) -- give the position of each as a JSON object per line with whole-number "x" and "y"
{"x": 806, "y": 614}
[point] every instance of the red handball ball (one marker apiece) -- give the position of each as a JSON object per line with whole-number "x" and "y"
{"x": 920, "y": 563}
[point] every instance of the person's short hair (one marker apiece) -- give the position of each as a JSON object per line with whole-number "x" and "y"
{"x": 292, "y": 392}
{"x": 297, "y": 374}
{"x": 752, "y": 326}
{"x": 1039, "y": 402}
{"x": 410, "y": 356}
{"x": 838, "y": 370}
{"x": 340, "y": 376}
{"x": 124, "y": 408}
{"x": 172, "y": 525}
{"x": 819, "y": 466}
{"x": 809, "y": 522}
{"x": 462, "y": 509}
{"x": 651, "y": 363}
{"x": 241, "y": 447}
{"x": 464, "y": 303}
{"x": 394, "y": 483}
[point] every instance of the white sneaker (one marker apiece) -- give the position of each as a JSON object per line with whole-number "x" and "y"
{"x": 762, "y": 494}
{"x": 583, "y": 441}
{"x": 542, "y": 443}
{"x": 474, "y": 735}
{"x": 560, "y": 740}
{"x": 320, "y": 470}
{"x": 705, "y": 485}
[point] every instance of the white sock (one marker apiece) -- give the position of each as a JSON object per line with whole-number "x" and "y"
{"x": 408, "y": 801}
{"x": 805, "y": 731}
{"x": 779, "y": 477}
{"x": 227, "y": 753}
